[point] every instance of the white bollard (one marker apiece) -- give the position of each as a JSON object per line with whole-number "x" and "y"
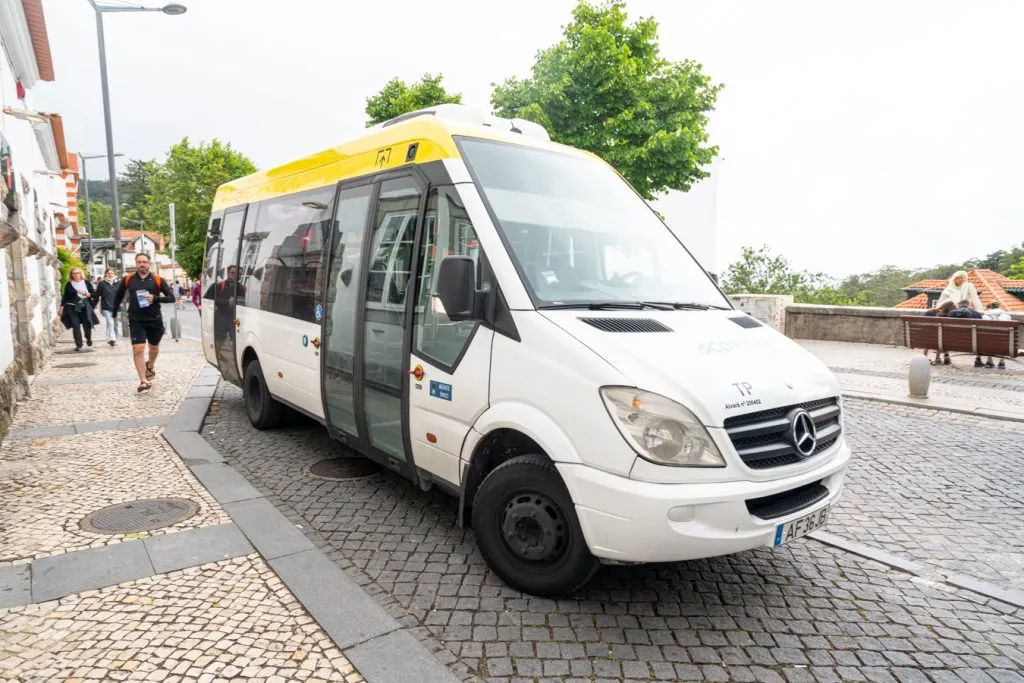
{"x": 920, "y": 376}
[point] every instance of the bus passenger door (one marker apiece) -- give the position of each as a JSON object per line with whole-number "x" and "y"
{"x": 225, "y": 293}
{"x": 450, "y": 365}
{"x": 207, "y": 280}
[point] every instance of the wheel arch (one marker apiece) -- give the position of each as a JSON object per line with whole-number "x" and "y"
{"x": 502, "y": 432}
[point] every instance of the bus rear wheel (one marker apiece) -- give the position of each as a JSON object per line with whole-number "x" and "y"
{"x": 526, "y": 527}
{"x": 263, "y": 410}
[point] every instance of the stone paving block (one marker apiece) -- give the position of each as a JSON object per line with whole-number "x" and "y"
{"x": 59, "y": 575}
{"x": 190, "y": 415}
{"x": 15, "y": 585}
{"x": 232, "y": 620}
{"x": 339, "y": 605}
{"x": 103, "y": 425}
{"x": 41, "y": 432}
{"x": 815, "y": 605}
{"x": 398, "y": 658}
{"x": 224, "y": 483}
{"x": 272, "y": 534}
{"x": 201, "y": 391}
{"x": 170, "y": 552}
{"x": 191, "y": 447}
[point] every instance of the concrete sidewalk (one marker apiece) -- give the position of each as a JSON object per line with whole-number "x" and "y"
{"x": 879, "y": 373}
{"x": 163, "y": 591}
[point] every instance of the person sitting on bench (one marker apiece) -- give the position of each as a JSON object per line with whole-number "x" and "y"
{"x": 967, "y": 310}
{"x": 995, "y": 312}
{"x": 940, "y": 311}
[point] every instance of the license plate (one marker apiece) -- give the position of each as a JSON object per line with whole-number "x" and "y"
{"x": 784, "y": 533}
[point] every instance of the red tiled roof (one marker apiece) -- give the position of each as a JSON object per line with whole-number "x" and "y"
{"x": 990, "y": 285}
{"x": 920, "y": 302}
{"x": 36, "y": 21}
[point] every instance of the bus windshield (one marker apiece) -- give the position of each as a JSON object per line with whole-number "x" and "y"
{"x": 580, "y": 234}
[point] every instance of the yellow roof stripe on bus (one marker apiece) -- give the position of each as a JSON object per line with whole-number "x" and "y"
{"x": 381, "y": 149}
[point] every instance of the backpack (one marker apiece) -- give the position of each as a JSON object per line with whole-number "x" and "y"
{"x": 159, "y": 282}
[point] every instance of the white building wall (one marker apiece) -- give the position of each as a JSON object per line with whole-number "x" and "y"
{"x": 40, "y": 196}
{"x": 6, "y": 340}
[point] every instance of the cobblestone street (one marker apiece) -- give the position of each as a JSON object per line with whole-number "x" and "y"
{"x": 157, "y": 607}
{"x": 937, "y": 488}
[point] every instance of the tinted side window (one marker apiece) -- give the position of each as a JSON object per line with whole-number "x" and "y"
{"x": 248, "y": 259}
{"x": 209, "y": 274}
{"x": 449, "y": 232}
{"x": 290, "y": 232}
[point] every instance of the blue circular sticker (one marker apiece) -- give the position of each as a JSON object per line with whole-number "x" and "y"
{"x": 318, "y": 311}
{"x": 305, "y": 340}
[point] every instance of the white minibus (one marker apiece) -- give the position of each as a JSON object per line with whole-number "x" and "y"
{"x": 480, "y": 309}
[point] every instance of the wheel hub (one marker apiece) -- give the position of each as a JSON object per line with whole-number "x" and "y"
{"x": 534, "y": 527}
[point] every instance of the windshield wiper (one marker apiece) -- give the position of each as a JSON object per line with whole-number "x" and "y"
{"x": 684, "y": 305}
{"x": 608, "y": 306}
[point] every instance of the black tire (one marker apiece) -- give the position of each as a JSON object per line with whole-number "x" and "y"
{"x": 263, "y": 410}
{"x": 543, "y": 553}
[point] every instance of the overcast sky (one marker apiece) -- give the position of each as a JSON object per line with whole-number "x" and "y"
{"x": 854, "y": 134}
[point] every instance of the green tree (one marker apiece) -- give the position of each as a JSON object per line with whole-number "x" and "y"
{"x": 397, "y": 98}
{"x": 759, "y": 271}
{"x": 101, "y": 217}
{"x": 189, "y": 178}
{"x": 67, "y": 262}
{"x": 1016, "y": 271}
{"x": 134, "y": 184}
{"x": 605, "y": 88}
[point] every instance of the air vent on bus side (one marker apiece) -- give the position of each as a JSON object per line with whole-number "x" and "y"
{"x": 633, "y": 325}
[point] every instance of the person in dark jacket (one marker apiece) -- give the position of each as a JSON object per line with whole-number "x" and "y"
{"x": 77, "y": 307}
{"x": 106, "y": 290}
{"x": 145, "y": 292}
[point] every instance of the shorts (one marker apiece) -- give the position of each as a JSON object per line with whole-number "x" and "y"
{"x": 142, "y": 331}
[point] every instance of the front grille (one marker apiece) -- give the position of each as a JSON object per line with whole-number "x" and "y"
{"x": 787, "y": 502}
{"x": 762, "y": 439}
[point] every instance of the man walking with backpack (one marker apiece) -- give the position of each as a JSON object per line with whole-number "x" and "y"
{"x": 145, "y": 292}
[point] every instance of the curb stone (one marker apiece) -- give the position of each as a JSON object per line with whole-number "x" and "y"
{"x": 921, "y": 571}
{"x": 360, "y": 627}
{"x": 928, "y": 403}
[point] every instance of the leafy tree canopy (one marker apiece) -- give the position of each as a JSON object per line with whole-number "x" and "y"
{"x": 605, "y": 88}
{"x": 759, "y": 271}
{"x": 397, "y": 98}
{"x": 189, "y": 178}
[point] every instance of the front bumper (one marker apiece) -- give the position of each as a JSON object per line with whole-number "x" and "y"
{"x": 634, "y": 521}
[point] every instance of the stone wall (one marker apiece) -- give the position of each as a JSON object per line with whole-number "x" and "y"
{"x": 849, "y": 323}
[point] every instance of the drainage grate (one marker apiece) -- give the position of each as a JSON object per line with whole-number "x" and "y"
{"x": 344, "y": 468}
{"x": 139, "y": 515}
{"x": 72, "y": 351}
{"x": 75, "y": 365}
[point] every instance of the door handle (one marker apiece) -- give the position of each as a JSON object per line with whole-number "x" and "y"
{"x": 377, "y": 330}
{"x": 238, "y": 323}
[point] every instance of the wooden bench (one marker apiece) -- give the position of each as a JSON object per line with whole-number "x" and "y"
{"x": 1000, "y": 338}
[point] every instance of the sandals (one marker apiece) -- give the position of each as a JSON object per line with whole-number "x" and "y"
{"x": 150, "y": 372}
{"x": 144, "y": 386}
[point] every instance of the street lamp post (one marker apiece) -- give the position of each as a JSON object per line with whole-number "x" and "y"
{"x": 172, "y": 9}
{"x": 88, "y": 218}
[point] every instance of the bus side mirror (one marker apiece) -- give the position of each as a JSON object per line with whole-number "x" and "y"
{"x": 456, "y": 287}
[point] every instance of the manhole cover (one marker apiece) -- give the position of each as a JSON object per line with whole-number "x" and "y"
{"x": 139, "y": 515}
{"x": 75, "y": 365}
{"x": 344, "y": 468}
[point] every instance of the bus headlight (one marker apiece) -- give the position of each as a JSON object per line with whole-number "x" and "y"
{"x": 661, "y": 430}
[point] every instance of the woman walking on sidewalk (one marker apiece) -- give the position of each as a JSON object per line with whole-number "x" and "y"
{"x": 106, "y": 290}
{"x": 77, "y": 307}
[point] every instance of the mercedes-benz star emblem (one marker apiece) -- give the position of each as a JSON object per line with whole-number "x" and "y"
{"x": 802, "y": 432}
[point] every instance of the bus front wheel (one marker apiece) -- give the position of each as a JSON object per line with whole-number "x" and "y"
{"x": 263, "y": 410}
{"x": 526, "y": 527}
